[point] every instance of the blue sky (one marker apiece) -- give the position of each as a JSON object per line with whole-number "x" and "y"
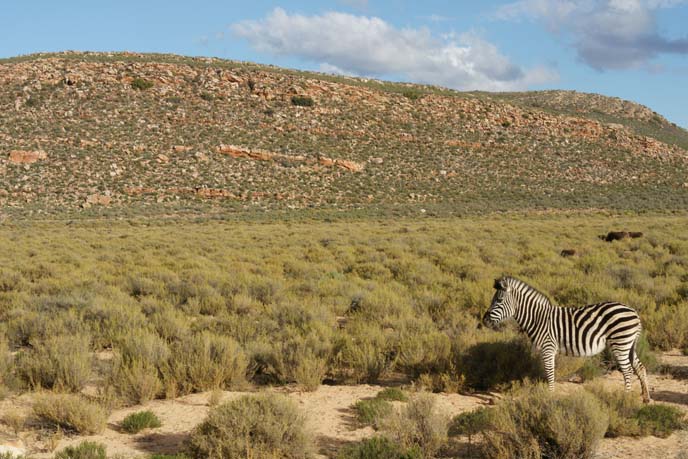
{"x": 634, "y": 49}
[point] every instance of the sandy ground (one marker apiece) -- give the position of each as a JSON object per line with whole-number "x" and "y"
{"x": 332, "y": 420}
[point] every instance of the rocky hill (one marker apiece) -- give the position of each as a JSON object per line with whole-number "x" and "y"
{"x": 135, "y": 134}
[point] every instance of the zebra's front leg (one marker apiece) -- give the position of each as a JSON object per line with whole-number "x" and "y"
{"x": 548, "y": 356}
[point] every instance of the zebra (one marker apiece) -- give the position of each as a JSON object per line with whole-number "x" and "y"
{"x": 578, "y": 331}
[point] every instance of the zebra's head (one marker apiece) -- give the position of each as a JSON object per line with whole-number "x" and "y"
{"x": 503, "y": 304}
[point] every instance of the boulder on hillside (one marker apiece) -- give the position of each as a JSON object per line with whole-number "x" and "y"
{"x": 26, "y": 156}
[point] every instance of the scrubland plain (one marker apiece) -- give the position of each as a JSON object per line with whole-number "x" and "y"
{"x": 100, "y": 315}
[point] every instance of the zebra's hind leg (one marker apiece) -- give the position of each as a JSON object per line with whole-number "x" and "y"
{"x": 639, "y": 370}
{"x": 622, "y": 359}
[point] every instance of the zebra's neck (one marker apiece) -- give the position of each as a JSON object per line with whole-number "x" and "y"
{"x": 532, "y": 308}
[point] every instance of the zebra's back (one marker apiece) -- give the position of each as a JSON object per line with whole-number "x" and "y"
{"x": 585, "y": 331}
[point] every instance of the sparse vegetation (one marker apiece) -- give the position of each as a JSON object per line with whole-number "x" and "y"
{"x": 490, "y": 152}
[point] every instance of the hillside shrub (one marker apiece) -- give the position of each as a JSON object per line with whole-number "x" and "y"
{"x": 141, "y": 84}
{"x": 302, "y": 101}
{"x": 378, "y": 448}
{"x": 60, "y": 362}
{"x": 84, "y": 450}
{"x": 261, "y": 426}
{"x": 535, "y": 423}
{"x": 412, "y": 93}
{"x": 69, "y": 412}
{"x": 136, "y": 422}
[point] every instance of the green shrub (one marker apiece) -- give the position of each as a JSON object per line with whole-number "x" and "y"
{"x": 261, "y": 426}
{"x": 660, "y": 420}
{"x": 136, "y": 422}
{"x": 412, "y": 93}
{"x": 418, "y": 425}
{"x": 141, "y": 84}
{"x": 470, "y": 422}
{"x": 534, "y": 423}
{"x": 60, "y": 362}
{"x": 392, "y": 394}
{"x": 69, "y": 412}
{"x": 11, "y": 456}
{"x": 135, "y": 382}
{"x": 364, "y": 353}
{"x": 5, "y": 360}
{"x": 310, "y": 372}
{"x": 371, "y": 411}
{"x": 490, "y": 365}
{"x": 423, "y": 351}
{"x": 378, "y": 448}
{"x": 621, "y": 407}
{"x": 137, "y": 371}
{"x": 590, "y": 369}
{"x": 85, "y": 450}
{"x": 302, "y": 101}
{"x": 206, "y": 361}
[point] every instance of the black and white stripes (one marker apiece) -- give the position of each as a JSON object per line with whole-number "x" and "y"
{"x": 578, "y": 331}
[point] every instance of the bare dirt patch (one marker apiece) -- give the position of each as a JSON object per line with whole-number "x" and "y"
{"x": 334, "y": 424}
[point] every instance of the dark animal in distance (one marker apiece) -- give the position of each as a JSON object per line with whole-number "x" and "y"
{"x": 567, "y": 252}
{"x": 619, "y": 235}
{"x": 577, "y": 331}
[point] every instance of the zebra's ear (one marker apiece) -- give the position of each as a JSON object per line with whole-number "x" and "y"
{"x": 500, "y": 284}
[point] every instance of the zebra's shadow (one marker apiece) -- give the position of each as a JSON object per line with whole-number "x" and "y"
{"x": 670, "y": 396}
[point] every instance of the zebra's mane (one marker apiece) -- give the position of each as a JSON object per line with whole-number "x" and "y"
{"x": 523, "y": 287}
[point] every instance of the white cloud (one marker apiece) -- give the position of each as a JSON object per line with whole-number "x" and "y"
{"x": 606, "y": 34}
{"x": 370, "y": 46}
{"x": 437, "y": 18}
